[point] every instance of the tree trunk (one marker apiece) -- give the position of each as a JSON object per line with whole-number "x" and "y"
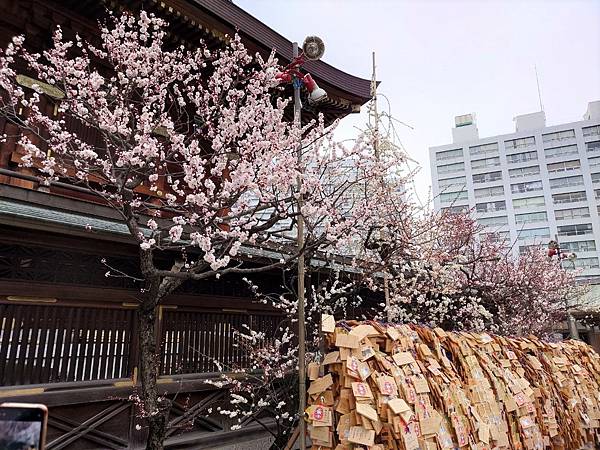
{"x": 156, "y": 409}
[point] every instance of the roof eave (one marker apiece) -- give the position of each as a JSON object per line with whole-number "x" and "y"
{"x": 246, "y": 24}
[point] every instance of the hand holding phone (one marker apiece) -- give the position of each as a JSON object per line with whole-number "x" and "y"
{"x": 23, "y": 426}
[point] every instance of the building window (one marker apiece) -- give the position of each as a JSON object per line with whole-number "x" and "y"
{"x": 521, "y": 157}
{"x": 582, "y": 263}
{"x": 572, "y": 213}
{"x": 575, "y": 230}
{"x": 564, "y": 166}
{"x": 530, "y": 233}
{"x": 498, "y": 236}
{"x": 592, "y": 131}
{"x": 456, "y": 181}
{"x": 519, "y": 143}
{"x": 449, "y": 154}
{"x": 524, "y": 171}
{"x": 565, "y": 150}
{"x": 558, "y": 136}
{"x": 528, "y": 202}
{"x": 519, "y": 188}
{"x": 528, "y": 248}
{"x": 556, "y": 183}
{"x": 578, "y": 246}
{"x": 487, "y": 162}
{"x": 596, "y": 178}
{"x": 531, "y": 217}
{"x": 490, "y": 206}
{"x": 584, "y": 278}
{"x": 489, "y": 192}
{"x": 456, "y": 209}
{"x": 593, "y": 146}
{"x": 569, "y": 197}
{"x": 594, "y": 162}
{"x": 451, "y": 168}
{"x": 597, "y": 194}
{"x": 484, "y": 149}
{"x": 493, "y": 221}
{"x": 450, "y": 197}
{"x": 487, "y": 177}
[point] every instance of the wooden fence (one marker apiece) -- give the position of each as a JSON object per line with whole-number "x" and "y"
{"x": 53, "y": 343}
{"x": 194, "y": 341}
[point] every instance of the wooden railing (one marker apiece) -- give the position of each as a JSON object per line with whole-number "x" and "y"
{"x": 194, "y": 342}
{"x": 54, "y": 343}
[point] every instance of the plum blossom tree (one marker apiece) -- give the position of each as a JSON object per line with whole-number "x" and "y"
{"x": 440, "y": 272}
{"x": 468, "y": 279}
{"x": 434, "y": 269}
{"x": 192, "y": 150}
{"x": 527, "y": 295}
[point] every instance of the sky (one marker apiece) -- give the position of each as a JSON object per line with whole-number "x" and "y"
{"x": 440, "y": 59}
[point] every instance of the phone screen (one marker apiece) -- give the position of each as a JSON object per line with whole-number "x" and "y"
{"x": 21, "y": 428}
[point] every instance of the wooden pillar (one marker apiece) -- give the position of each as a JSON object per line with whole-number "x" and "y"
{"x": 594, "y": 335}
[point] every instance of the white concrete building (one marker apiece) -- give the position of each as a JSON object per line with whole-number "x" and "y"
{"x": 530, "y": 185}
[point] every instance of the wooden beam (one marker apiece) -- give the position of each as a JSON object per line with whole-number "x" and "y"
{"x": 82, "y": 429}
{"x": 80, "y": 392}
{"x": 77, "y": 295}
{"x": 194, "y": 411}
{"x": 293, "y": 439}
{"x": 99, "y": 437}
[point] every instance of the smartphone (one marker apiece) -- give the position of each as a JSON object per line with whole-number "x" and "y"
{"x": 23, "y": 426}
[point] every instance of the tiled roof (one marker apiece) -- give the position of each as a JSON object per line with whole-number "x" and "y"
{"x": 18, "y": 210}
{"x": 229, "y": 12}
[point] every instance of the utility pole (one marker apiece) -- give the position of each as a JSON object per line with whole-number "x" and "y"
{"x": 312, "y": 49}
{"x": 571, "y": 323}
{"x": 375, "y": 114}
{"x": 374, "y": 110}
{"x": 300, "y": 244}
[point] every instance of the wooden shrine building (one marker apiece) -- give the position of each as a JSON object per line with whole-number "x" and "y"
{"x": 67, "y": 332}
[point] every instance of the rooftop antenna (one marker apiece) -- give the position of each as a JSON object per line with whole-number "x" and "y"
{"x": 538, "y": 87}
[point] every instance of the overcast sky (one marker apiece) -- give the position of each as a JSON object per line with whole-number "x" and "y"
{"x": 439, "y": 59}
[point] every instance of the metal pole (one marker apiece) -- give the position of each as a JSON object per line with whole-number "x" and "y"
{"x": 571, "y": 324}
{"x": 300, "y": 242}
{"x": 386, "y": 289}
{"x": 376, "y": 117}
